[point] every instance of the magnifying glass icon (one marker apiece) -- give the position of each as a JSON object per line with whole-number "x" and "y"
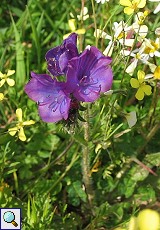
{"x": 9, "y": 217}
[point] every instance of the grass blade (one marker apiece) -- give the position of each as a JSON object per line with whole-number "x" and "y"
{"x": 20, "y": 64}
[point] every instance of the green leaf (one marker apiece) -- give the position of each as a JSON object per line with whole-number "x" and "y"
{"x": 4, "y": 139}
{"x": 11, "y": 171}
{"x": 44, "y": 154}
{"x": 146, "y": 193}
{"x": 36, "y": 37}
{"x": 39, "y": 26}
{"x": 16, "y": 11}
{"x": 33, "y": 212}
{"x": 14, "y": 164}
{"x": 76, "y": 193}
{"x": 153, "y": 159}
{"x": 20, "y": 64}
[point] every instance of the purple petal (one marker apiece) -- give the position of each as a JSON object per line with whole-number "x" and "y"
{"x": 89, "y": 74}
{"x": 103, "y": 73}
{"x": 53, "y": 102}
{"x": 58, "y": 57}
{"x": 56, "y": 109}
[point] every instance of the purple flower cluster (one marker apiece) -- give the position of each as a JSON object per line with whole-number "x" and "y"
{"x": 87, "y": 75}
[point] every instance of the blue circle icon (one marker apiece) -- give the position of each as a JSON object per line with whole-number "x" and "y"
{"x": 9, "y": 217}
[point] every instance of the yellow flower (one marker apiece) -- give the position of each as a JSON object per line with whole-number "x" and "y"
{"x": 19, "y": 127}
{"x": 1, "y": 96}
{"x": 133, "y": 223}
{"x": 132, "y": 6}
{"x": 3, "y": 186}
{"x": 157, "y": 73}
{"x": 148, "y": 219}
{"x": 5, "y": 78}
{"x": 72, "y": 26}
{"x": 140, "y": 85}
{"x": 141, "y": 16}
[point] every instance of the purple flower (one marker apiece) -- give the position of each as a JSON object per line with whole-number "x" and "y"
{"x": 58, "y": 57}
{"x": 88, "y": 75}
{"x": 53, "y": 102}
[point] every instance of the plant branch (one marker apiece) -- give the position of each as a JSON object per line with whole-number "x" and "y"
{"x": 86, "y": 164}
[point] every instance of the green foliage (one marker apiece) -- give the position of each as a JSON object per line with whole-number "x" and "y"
{"x": 76, "y": 193}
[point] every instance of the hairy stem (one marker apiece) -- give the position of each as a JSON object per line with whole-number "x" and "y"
{"x": 86, "y": 164}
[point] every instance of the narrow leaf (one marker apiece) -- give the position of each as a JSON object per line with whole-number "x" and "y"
{"x": 20, "y": 64}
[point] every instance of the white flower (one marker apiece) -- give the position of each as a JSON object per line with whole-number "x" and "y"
{"x": 157, "y": 9}
{"x": 83, "y": 14}
{"x": 148, "y": 49}
{"x": 151, "y": 47}
{"x": 141, "y": 16}
{"x": 120, "y": 31}
{"x": 137, "y": 55}
{"x": 157, "y": 32}
{"x": 109, "y": 49}
{"x": 138, "y": 26}
{"x": 131, "y": 118}
{"x": 102, "y": 1}
{"x": 101, "y": 34}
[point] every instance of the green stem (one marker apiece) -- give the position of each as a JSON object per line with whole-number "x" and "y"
{"x": 74, "y": 159}
{"x": 153, "y": 106}
{"x": 149, "y": 137}
{"x": 95, "y": 22}
{"x": 16, "y": 182}
{"x": 86, "y": 164}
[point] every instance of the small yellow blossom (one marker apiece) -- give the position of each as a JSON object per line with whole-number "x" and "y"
{"x": 5, "y": 78}
{"x": 141, "y": 16}
{"x": 133, "y": 223}
{"x": 140, "y": 85}
{"x": 1, "y": 96}
{"x": 157, "y": 73}
{"x": 148, "y": 219}
{"x": 132, "y": 6}
{"x": 151, "y": 47}
{"x": 72, "y": 26}
{"x": 3, "y": 186}
{"x": 19, "y": 127}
